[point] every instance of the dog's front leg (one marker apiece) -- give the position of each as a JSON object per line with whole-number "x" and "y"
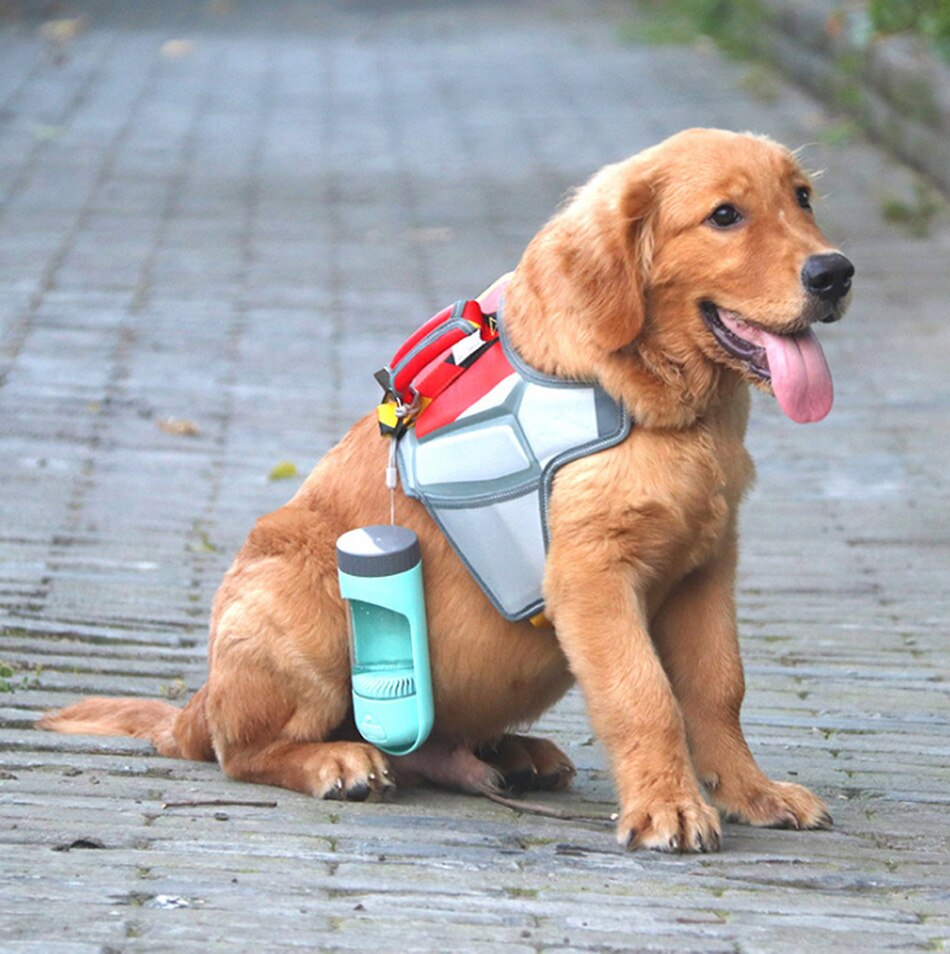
{"x": 696, "y": 636}
{"x": 598, "y": 611}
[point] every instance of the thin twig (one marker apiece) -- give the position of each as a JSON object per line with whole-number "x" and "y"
{"x": 533, "y": 808}
{"x": 218, "y": 803}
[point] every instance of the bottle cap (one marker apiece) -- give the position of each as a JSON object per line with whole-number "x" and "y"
{"x": 379, "y": 550}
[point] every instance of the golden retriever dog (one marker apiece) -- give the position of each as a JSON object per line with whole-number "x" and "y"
{"x": 675, "y": 280}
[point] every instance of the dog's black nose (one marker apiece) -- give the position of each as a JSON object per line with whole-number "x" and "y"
{"x": 828, "y": 276}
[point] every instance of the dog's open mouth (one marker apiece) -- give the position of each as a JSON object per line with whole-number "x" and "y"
{"x": 793, "y": 363}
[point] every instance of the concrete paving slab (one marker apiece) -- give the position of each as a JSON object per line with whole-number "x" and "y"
{"x": 190, "y": 187}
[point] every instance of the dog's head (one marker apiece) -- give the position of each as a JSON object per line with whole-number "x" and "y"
{"x": 697, "y": 259}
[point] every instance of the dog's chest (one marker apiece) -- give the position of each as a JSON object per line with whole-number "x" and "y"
{"x": 662, "y": 502}
{"x": 708, "y": 475}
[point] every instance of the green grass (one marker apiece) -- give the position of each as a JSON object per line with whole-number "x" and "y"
{"x": 914, "y": 215}
{"x": 733, "y": 24}
{"x": 6, "y": 674}
{"x": 514, "y": 892}
{"x": 928, "y": 18}
{"x": 660, "y": 25}
{"x": 12, "y": 677}
{"x": 843, "y": 132}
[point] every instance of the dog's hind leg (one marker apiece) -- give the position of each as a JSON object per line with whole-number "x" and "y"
{"x": 274, "y": 729}
{"x": 278, "y": 689}
{"x": 348, "y": 771}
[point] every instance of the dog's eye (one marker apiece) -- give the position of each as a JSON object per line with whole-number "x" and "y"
{"x": 725, "y": 216}
{"x": 803, "y": 194}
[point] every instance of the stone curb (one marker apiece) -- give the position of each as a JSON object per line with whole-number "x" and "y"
{"x": 894, "y": 86}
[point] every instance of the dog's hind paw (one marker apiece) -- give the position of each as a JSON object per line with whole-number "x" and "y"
{"x": 529, "y": 764}
{"x": 514, "y": 763}
{"x": 355, "y": 773}
{"x": 448, "y": 765}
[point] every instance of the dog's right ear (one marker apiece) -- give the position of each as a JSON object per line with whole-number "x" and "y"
{"x": 597, "y": 255}
{"x": 588, "y": 269}
{"x": 622, "y": 309}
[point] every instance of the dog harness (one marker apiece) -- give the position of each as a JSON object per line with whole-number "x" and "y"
{"x": 479, "y": 436}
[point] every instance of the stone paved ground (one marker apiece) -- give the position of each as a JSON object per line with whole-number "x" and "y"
{"x": 229, "y": 215}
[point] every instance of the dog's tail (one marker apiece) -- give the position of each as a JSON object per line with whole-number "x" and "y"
{"x": 178, "y": 733}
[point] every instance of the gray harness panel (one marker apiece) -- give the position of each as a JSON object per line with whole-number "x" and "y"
{"x": 486, "y": 477}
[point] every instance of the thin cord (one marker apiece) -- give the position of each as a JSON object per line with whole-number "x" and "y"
{"x": 391, "y": 476}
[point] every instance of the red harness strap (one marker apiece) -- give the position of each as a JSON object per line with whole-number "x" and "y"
{"x": 424, "y": 348}
{"x": 434, "y": 357}
{"x": 430, "y": 360}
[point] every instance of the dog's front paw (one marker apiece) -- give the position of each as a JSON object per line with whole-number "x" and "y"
{"x": 775, "y": 805}
{"x": 679, "y": 824}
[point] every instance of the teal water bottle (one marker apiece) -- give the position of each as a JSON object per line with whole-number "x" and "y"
{"x": 380, "y": 570}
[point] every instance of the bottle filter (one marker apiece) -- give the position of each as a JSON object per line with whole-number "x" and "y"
{"x": 380, "y": 571}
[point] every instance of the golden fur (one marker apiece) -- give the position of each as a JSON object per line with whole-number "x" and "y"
{"x": 643, "y": 545}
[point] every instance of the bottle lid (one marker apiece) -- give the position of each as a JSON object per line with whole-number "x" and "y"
{"x": 379, "y": 550}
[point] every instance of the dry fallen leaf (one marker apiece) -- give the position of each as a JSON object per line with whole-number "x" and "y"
{"x": 62, "y": 30}
{"x": 180, "y": 428}
{"x": 284, "y": 470}
{"x": 176, "y": 689}
{"x": 176, "y": 49}
{"x": 59, "y": 35}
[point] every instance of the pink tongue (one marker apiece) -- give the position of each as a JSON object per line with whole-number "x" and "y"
{"x": 800, "y": 376}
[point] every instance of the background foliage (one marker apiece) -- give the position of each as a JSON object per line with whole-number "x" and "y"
{"x": 928, "y": 17}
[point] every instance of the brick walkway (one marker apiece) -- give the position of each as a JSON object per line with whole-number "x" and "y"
{"x": 227, "y": 215}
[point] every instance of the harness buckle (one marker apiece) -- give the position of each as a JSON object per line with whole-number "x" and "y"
{"x": 394, "y": 414}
